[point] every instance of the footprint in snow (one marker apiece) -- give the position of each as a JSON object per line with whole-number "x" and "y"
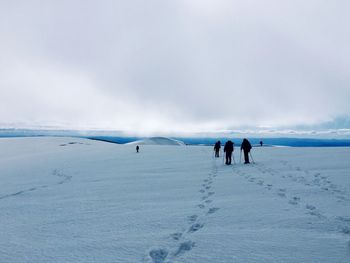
{"x": 316, "y": 213}
{"x": 184, "y": 247}
{"x": 281, "y": 192}
{"x": 316, "y": 181}
{"x": 176, "y": 236}
{"x": 343, "y": 219}
{"x": 192, "y": 219}
{"x": 331, "y": 186}
{"x": 195, "y": 227}
{"x": 202, "y": 191}
{"x": 345, "y": 230}
{"x": 260, "y": 182}
{"x": 294, "y": 201}
{"x": 313, "y": 211}
{"x": 310, "y": 207}
{"x": 158, "y": 255}
{"x": 212, "y": 210}
{"x": 342, "y": 198}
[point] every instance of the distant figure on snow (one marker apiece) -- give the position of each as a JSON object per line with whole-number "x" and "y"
{"x": 137, "y": 148}
{"x": 217, "y": 147}
{"x": 228, "y": 149}
{"x": 261, "y": 143}
{"x": 246, "y": 147}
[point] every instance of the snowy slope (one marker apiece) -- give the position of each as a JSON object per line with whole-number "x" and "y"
{"x": 76, "y": 200}
{"x": 157, "y": 141}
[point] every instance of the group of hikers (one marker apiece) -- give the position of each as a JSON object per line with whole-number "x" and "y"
{"x": 229, "y": 148}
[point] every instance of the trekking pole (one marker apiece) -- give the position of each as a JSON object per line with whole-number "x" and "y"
{"x": 251, "y": 156}
{"x": 240, "y": 156}
{"x": 233, "y": 157}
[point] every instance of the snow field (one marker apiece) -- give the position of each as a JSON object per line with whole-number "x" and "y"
{"x": 75, "y": 200}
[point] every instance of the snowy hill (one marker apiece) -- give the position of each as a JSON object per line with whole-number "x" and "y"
{"x": 77, "y": 200}
{"x": 158, "y": 141}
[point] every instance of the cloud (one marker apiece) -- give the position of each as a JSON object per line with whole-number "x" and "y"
{"x": 163, "y": 66}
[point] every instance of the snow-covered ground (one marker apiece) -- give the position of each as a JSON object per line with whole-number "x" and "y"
{"x": 76, "y": 200}
{"x": 157, "y": 141}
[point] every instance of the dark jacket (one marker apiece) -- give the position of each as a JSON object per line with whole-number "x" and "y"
{"x": 228, "y": 147}
{"x": 217, "y": 146}
{"x": 246, "y": 146}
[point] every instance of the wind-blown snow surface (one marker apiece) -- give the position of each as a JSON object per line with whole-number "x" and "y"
{"x": 75, "y": 200}
{"x": 157, "y": 141}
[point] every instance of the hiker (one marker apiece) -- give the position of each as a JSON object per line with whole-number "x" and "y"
{"x": 246, "y": 147}
{"x": 261, "y": 143}
{"x": 228, "y": 149}
{"x": 137, "y": 148}
{"x": 217, "y": 148}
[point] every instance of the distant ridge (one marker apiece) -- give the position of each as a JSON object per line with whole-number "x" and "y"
{"x": 119, "y": 138}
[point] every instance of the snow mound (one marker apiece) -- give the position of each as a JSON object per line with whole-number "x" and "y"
{"x": 158, "y": 141}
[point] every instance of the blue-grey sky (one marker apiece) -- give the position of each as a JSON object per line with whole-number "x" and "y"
{"x": 174, "y": 66}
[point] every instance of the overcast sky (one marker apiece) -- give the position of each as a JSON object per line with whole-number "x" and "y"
{"x": 172, "y": 66}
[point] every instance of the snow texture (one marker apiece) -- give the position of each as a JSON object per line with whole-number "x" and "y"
{"x": 157, "y": 141}
{"x": 76, "y": 200}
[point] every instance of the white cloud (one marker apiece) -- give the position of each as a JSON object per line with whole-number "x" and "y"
{"x": 163, "y": 66}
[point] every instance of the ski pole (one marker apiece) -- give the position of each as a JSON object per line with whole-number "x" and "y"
{"x": 240, "y": 156}
{"x": 251, "y": 156}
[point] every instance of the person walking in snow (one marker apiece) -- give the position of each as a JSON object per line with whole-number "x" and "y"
{"x": 217, "y": 147}
{"x": 228, "y": 149}
{"x": 246, "y": 147}
{"x": 137, "y": 148}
